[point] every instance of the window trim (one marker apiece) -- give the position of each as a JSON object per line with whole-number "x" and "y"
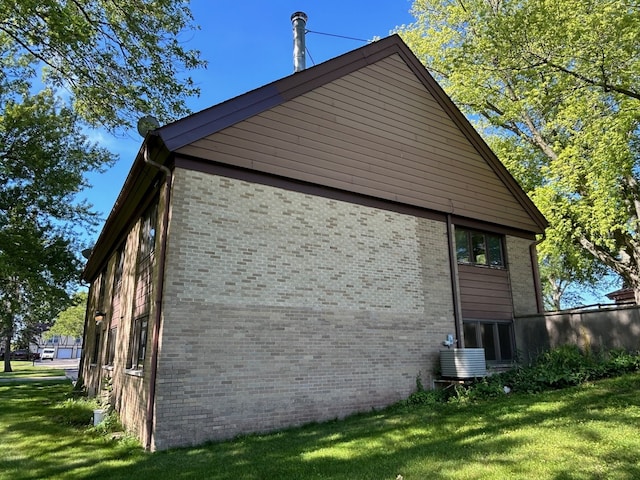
{"x": 95, "y": 354}
{"x": 138, "y": 343}
{"x": 478, "y": 341}
{"x": 112, "y": 336}
{"x": 139, "y": 333}
{"x": 469, "y": 233}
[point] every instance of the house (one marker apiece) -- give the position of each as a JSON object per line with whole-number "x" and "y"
{"x": 65, "y": 346}
{"x": 623, "y": 296}
{"x": 301, "y": 252}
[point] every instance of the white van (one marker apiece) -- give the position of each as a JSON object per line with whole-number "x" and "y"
{"x": 48, "y": 354}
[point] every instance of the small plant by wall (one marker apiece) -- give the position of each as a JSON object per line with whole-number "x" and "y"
{"x": 106, "y": 394}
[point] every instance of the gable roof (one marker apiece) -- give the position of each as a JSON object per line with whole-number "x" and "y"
{"x": 377, "y": 124}
{"x": 195, "y": 130}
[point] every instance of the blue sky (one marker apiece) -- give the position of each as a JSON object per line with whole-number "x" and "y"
{"x": 249, "y": 44}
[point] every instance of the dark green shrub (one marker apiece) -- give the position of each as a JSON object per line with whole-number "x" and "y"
{"x": 621, "y": 361}
{"x": 422, "y": 396}
{"x": 562, "y": 367}
{"x": 425, "y": 397}
{"x": 521, "y": 380}
{"x": 484, "y": 388}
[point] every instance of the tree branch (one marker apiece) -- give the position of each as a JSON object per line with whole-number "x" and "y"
{"x": 607, "y": 87}
{"x": 619, "y": 266}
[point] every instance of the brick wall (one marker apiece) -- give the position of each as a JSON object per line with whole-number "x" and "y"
{"x": 130, "y": 390}
{"x": 282, "y": 308}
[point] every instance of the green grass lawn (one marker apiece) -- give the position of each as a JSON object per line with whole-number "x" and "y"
{"x": 31, "y": 369}
{"x": 586, "y": 432}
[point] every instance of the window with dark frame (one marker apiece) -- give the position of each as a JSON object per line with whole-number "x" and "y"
{"x": 96, "y": 347}
{"x": 138, "y": 347}
{"x": 142, "y": 298}
{"x": 111, "y": 345}
{"x": 116, "y": 311}
{"x": 495, "y": 337}
{"x": 479, "y": 248}
{"x": 102, "y": 289}
{"x": 95, "y": 358}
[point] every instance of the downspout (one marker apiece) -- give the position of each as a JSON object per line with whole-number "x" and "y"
{"x": 536, "y": 272}
{"x": 453, "y": 267}
{"x": 158, "y": 297}
{"x": 80, "y": 379}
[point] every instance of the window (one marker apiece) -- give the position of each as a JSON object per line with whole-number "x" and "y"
{"x": 479, "y": 248}
{"x": 495, "y": 337}
{"x": 119, "y": 269}
{"x": 116, "y": 307}
{"x": 144, "y": 262}
{"x": 138, "y": 347}
{"x": 142, "y": 299}
{"x": 111, "y": 345}
{"x": 95, "y": 357}
{"x": 102, "y": 287}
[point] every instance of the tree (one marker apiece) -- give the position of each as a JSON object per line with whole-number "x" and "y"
{"x": 552, "y": 85}
{"x": 118, "y": 59}
{"x": 43, "y": 157}
{"x": 70, "y": 322}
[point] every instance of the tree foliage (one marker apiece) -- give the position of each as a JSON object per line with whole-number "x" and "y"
{"x": 70, "y": 322}
{"x": 43, "y": 157}
{"x": 119, "y": 59}
{"x": 553, "y": 87}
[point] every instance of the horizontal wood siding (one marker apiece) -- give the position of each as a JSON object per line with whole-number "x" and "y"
{"x": 378, "y": 132}
{"x": 485, "y": 293}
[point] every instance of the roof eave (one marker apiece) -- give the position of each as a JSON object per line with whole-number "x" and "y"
{"x": 140, "y": 178}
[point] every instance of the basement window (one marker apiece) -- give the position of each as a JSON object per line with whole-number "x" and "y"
{"x": 495, "y": 337}
{"x": 479, "y": 248}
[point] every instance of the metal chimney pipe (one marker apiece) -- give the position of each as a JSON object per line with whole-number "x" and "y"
{"x": 299, "y": 23}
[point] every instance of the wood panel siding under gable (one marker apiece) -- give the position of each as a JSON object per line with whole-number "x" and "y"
{"x": 376, "y": 131}
{"x": 485, "y": 293}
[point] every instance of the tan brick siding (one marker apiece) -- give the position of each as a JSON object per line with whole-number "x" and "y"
{"x": 282, "y": 308}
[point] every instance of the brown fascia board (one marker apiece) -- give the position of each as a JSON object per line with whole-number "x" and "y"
{"x": 218, "y": 117}
{"x": 131, "y": 200}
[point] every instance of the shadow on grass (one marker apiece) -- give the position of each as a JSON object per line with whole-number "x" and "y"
{"x": 490, "y": 440}
{"x": 560, "y": 435}
{"x": 45, "y": 436}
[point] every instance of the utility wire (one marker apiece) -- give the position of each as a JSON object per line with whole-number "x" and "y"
{"x": 310, "y": 57}
{"x": 332, "y": 35}
{"x": 339, "y": 36}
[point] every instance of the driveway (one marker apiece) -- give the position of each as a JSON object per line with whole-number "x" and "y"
{"x": 70, "y": 366}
